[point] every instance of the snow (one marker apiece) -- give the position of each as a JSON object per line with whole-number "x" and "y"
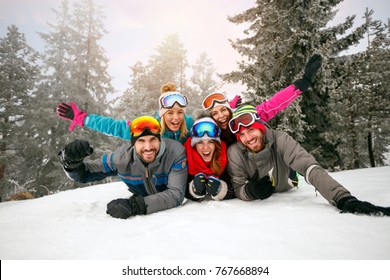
{"x": 296, "y": 225}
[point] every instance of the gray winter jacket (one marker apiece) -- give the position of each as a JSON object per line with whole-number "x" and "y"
{"x": 162, "y": 183}
{"x": 280, "y": 153}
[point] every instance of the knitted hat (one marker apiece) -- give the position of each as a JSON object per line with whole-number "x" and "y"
{"x": 249, "y": 109}
{"x": 163, "y": 110}
{"x": 206, "y": 126}
{"x": 244, "y": 109}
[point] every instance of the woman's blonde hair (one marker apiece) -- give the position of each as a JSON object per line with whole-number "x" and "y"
{"x": 168, "y": 87}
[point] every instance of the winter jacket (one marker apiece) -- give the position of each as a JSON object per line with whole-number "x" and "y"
{"x": 162, "y": 183}
{"x": 120, "y": 128}
{"x": 267, "y": 110}
{"x": 280, "y": 153}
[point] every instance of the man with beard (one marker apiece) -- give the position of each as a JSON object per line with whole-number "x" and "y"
{"x": 154, "y": 169}
{"x": 259, "y": 164}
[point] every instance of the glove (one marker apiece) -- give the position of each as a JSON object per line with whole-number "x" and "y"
{"x": 72, "y": 113}
{"x": 236, "y": 101}
{"x": 199, "y": 186}
{"x": 311, "y": 69}
{"x": 73, "y": 154}
{"x": 122, "y": 208}
{"x": 213, "y": 185}
{"x": 259, "y": 188}
{"x": 351, "y": 204}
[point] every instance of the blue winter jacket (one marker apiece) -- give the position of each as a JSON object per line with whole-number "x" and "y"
{"x": 162, "y": 183}
{"x": 120, "y": 128}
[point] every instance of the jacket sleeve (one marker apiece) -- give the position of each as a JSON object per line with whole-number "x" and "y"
{"x": 278, "y": 102}
{"x": 300, "y": 160}
{"x": 177, "y": 180}
{"x": 92, "y": 170}
{"x": 238, "y": 168}
{"x": 109, "y": 126}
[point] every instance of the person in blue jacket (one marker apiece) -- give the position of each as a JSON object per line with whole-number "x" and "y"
{"x": 154, "y": 169}
{"x": 175, "y": 124}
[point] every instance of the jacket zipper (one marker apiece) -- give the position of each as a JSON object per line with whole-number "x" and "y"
{"x": 149, "y": 186}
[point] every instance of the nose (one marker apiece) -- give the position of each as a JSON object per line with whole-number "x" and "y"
{"x": 206, "y": 147}
{"x": 148, "y": 145}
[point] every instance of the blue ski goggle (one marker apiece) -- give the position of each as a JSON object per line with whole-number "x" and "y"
{"x": 205, "y": 127}
{"x": 169, "y": 100}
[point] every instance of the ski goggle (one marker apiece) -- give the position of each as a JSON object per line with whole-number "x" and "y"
{"x": 138, "y": 125}
{"x": 203, "y": 127}
{"x": 210, "y": 100}
{"x": 244, "y": 119}
{"x": 169, "y": 100}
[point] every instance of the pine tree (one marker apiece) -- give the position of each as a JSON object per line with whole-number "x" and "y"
{"x": 203, "y": 80}
{"x": 18, "y": 74}
{"x": 139, "y": 99}
{"x": 361, "y": 102}
{"x": 75, "y": 69}
{"x": 169, "y": 64}
{"x": 281, "y": 37}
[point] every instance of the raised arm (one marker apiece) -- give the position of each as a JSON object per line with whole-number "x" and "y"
{"x": 280, "y": 100}
{"x": 72, "y": 158}
{"x": 106, "y": 125}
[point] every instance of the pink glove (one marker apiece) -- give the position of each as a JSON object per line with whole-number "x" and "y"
{"x": 72, "y": 113}
{"x": 236, "y": 101}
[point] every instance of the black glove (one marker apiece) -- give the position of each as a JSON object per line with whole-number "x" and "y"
{"x": 73, "y": 154}
{"x": 199, "y": 186}
{"x": 122, "y": 208}
{"x": 259, "y": 188}
{"x": 213, "y": 186}
{"x": 65, "y": 111}
{"x": 351, "y": 204}
{"x": 311, "y": 69}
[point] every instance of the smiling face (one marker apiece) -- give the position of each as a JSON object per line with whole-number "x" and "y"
{"x": 221, "y": 115}
{"x": 147, "y": 148}
{"x": 252, "y": 139}
{"x": 205, "y": 149}
{"x": 174, "y": 118}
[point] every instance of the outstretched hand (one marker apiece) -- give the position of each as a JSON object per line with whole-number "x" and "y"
{"x": 73, "y": 154}
{"x": 352, "y": 205}
{"x": 311, "y": 69}
{"x": 235, "y": 102}
{"x": 71, "y": 112}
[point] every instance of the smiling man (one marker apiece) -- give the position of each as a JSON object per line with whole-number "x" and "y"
{"x": 154, "y": 169}
{"x": 259, "y": 164}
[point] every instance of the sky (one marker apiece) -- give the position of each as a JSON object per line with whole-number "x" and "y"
{"x": 136, "y": 27}
{"x": 297, "y": 230}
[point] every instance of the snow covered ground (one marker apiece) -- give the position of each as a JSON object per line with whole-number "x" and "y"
{"x": 297, "y": 225}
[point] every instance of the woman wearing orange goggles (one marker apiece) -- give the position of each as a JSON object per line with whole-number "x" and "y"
{"x": 217, "y": 105}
